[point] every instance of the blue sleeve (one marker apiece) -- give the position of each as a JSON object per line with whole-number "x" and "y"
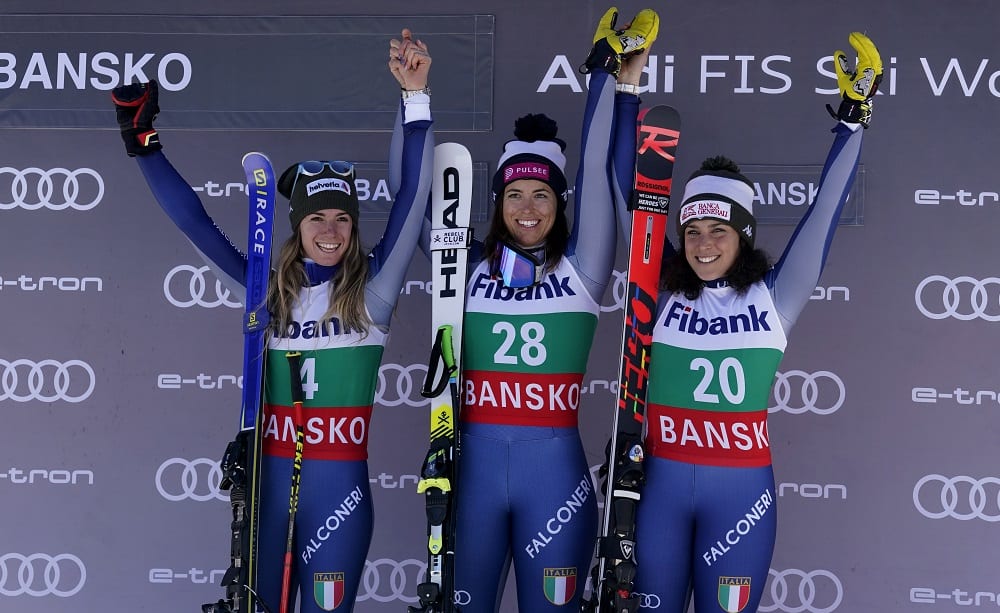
{"x": 185, "y": 209}
{"x": 391, "y": 256}
{"x": 592, "y": 241}
{"x": 793, "y": 279}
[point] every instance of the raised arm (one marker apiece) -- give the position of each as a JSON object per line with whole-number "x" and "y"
{"x": 136, "y": 107}
{"x": 615, "y": 63}
{"x": 409, "y": 63}
{"x": 794, "y": 277}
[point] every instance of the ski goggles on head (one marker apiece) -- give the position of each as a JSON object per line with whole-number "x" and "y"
{"x": 516, "y": 267}
{"x": 315, "y": 167}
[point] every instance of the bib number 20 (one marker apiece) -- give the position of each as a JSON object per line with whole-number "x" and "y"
{"x": 730, "y": 380}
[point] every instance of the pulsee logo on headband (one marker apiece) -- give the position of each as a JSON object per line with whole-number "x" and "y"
{"x": 328, "y": 185}
{"x": 526, "y": 170}
{"x": 705, "y": 208}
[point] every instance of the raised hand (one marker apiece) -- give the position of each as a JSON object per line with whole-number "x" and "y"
{"x": 409, "y": 61}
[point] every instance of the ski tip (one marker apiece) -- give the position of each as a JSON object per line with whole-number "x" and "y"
{"x": 451, "y": 149}
{"x": 255, "y": 154}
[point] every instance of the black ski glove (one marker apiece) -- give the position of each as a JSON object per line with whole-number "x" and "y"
{"x": 136, "y": 107}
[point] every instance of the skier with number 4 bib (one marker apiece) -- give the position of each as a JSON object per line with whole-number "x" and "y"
{"x": 331, "y": 302}
{"x": 525, "y": 494}
{"x": 706, "y": 522}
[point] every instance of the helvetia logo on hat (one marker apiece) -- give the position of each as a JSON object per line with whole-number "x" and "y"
{"x": 705, "y": 208}
{"x": 328, "y": 185}
{"x": 526, "y": 170}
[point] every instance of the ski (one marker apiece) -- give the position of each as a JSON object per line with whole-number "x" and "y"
{"x": 241, "y": 462}
{"x": 613, "y": 575}
{"x": 450, "y": 239}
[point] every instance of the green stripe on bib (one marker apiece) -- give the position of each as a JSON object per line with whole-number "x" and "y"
{"x": 722, "y": 380}
{"x": 335, "y": 377}
{"x": 544, "y": 343}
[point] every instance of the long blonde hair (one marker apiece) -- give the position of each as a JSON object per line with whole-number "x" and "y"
{"x": 347, "y": 288}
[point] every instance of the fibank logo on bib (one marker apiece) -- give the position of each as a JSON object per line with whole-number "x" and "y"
{"x": 690, "y": 320}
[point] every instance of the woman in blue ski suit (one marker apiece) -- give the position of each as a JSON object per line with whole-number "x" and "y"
{"x": 331, "y": 302}
{"x": 706, "y": 523}
{"x": 525, "y": 493}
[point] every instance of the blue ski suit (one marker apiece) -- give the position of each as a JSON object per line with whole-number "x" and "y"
{"x": 707, "y": 520}
{"x": 333, "y": 526}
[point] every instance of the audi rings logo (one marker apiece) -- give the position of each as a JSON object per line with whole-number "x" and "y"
{"x": 196, "y": 292}
{"x": 400, "y": 385}
{"x": 619, "y": 286}
{"x": 797, "y": 391}
{"x": 179, "y": 479}
{"x": 462, "y": 598}
{"x": 54, "y": 188}
{"x": 962, "y": 497}
{"x": 39, "y": 574}
{"x": 797, "y": 591}
{"x": 386, "y": 580}
{"x": 647, "y": 601}
{"x": 47, "y": 380}
{"x": 963, "y": 298}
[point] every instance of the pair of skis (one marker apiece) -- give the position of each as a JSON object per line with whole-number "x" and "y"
{"x": 450, "y": 239}
{"x": 613, "y": 576}
{"x": 241, "y": 463}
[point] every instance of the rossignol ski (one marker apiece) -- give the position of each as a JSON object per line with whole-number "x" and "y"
{"x": 451, "y": 237}
{"x": 241, "y": 462}
{"x": 614, "y": 574}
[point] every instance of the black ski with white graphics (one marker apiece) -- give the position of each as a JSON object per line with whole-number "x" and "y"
{"x": 241, "y": 463}
{"x": 614, "y": 574}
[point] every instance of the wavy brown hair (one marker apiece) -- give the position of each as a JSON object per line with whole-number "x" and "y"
{"x": 347, "y": 294}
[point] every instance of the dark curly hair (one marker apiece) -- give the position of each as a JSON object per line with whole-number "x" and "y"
{"x": 750, "y": 267}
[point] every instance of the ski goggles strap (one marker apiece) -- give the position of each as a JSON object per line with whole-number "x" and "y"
{"x": 516, "y": 267}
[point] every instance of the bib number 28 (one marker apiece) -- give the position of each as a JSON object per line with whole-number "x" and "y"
{"x": 529, "y": 337}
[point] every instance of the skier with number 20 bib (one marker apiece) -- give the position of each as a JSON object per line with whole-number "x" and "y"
{"x": 706, "y": 523}
{"x": 331, "y": 302}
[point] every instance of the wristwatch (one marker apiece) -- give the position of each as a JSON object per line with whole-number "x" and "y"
{"x": 408, "y": 93}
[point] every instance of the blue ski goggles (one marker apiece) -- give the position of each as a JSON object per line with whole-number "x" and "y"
{"x": 315, "y": 167}
{"x": 516, "y": 267}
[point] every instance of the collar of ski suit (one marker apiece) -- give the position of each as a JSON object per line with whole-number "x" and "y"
{"x": 317, "y": 273}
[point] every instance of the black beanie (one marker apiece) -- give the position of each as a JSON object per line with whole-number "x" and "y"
{"x": 535, "y": 154}
{"x": 313, "y": 186}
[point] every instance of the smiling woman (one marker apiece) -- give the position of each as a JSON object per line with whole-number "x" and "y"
{"x": 330, "y": 304}
{"x": 706, "y": 525}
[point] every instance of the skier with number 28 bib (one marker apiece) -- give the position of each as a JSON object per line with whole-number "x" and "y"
{"x": 525, "y": 493}
{"x": 329, "y": 301}
{"x": 706, "y": 523}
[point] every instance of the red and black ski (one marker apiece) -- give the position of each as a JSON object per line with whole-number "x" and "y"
{"x": 614, "y": 573}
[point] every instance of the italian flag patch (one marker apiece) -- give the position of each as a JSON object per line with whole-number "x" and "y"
{"x": 328, "y": 589}
{"x": 559, "y": 584}
{"x": 734, "y": 593}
